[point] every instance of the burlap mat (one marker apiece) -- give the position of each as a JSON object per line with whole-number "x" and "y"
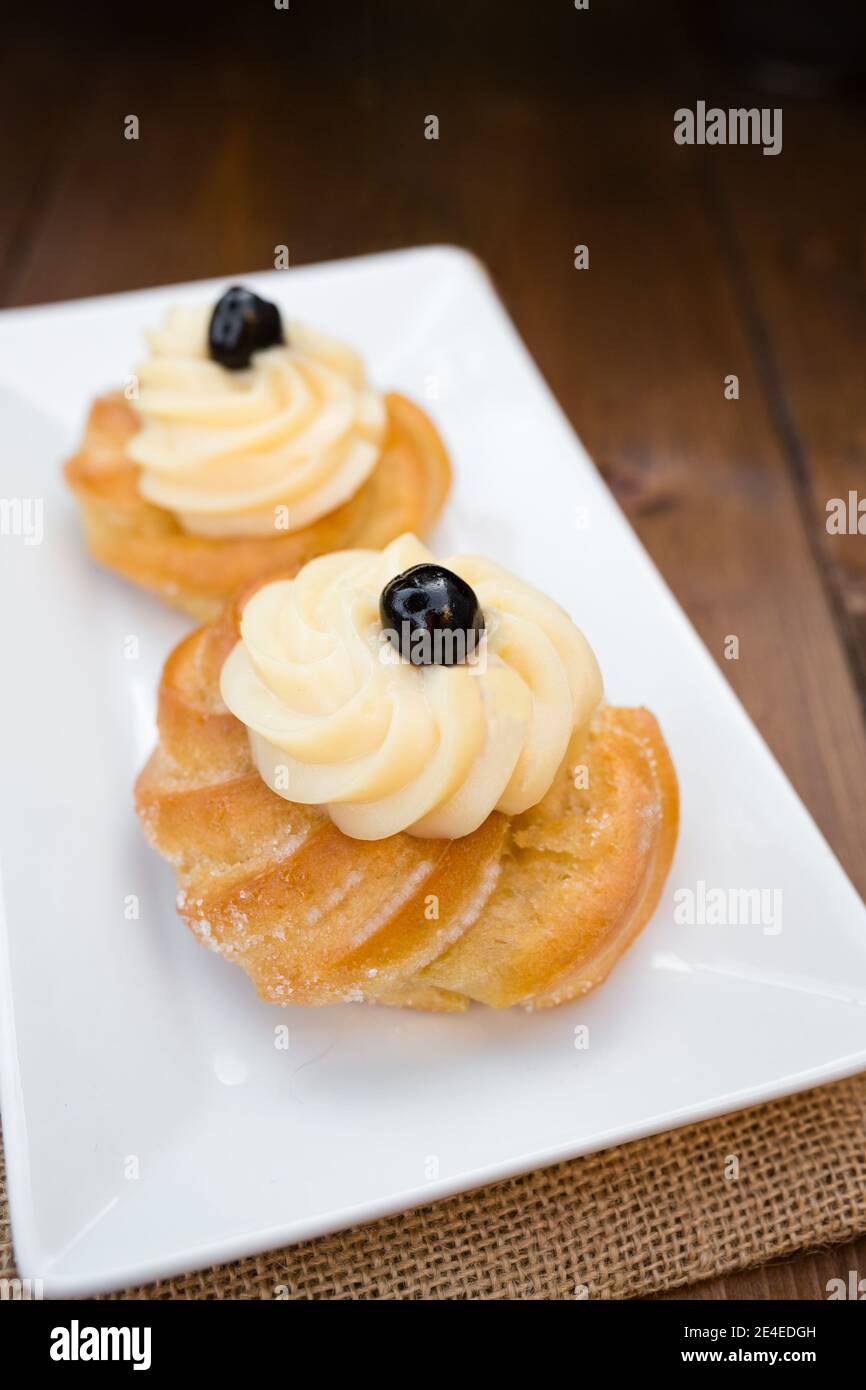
{"x": 629, "y": 1221}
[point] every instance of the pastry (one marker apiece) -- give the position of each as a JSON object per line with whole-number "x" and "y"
{"x": 390, "y": 780}
{"x": 247, "y": 448}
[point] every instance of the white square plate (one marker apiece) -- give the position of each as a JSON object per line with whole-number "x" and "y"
{"x": 151, "y": 1123}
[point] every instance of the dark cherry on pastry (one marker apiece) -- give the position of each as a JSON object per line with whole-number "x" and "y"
{"x": 433, "y": 614}
{"x": 242, "y": 323}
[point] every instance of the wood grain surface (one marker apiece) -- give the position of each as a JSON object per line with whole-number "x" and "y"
{"x": 305, "y": 127}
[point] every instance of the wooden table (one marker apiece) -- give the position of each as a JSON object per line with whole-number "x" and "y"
{"x": 305, "y": 127}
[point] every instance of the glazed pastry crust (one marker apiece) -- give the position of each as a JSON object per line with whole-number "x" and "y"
{"x": 533, "y": 910}
{"x": 145, "y": 543}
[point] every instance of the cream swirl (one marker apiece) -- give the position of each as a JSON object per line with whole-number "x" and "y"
{"x": 336, "y": 718}
{"x": 254, "y": 452}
